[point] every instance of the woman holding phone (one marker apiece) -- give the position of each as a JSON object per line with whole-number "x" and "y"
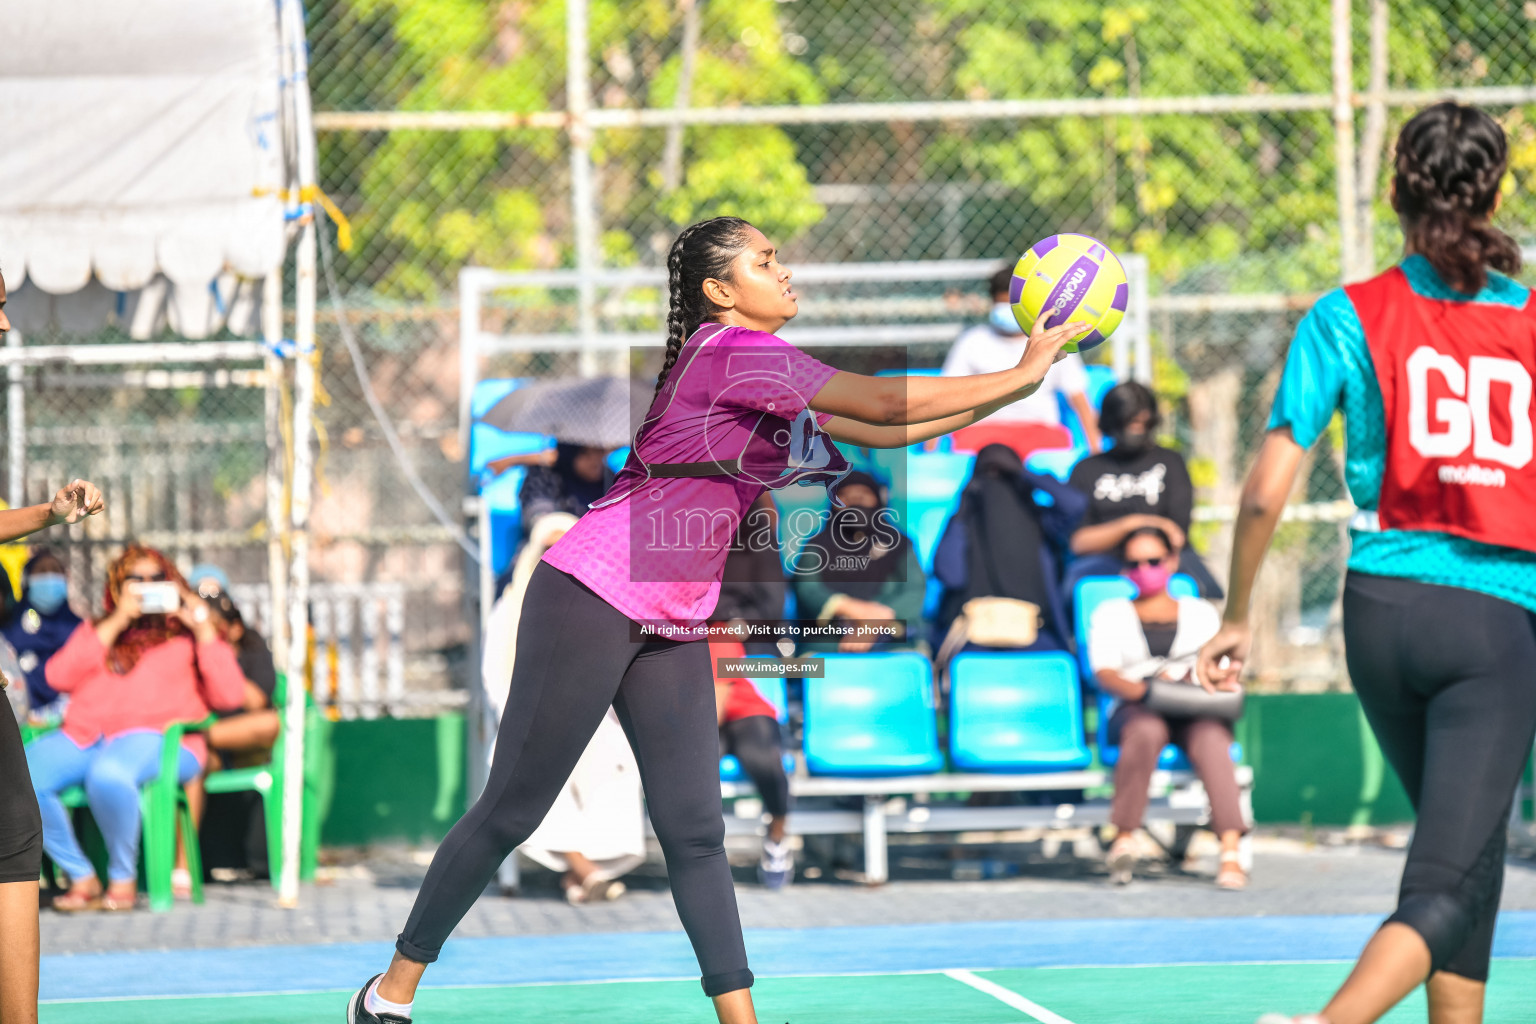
{"x": 155, "y": 658}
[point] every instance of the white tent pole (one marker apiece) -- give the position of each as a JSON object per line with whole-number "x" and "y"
{"x": 16, "y": 426}
{"x": 277, "y": 569}
{"x": 297, "y": 84}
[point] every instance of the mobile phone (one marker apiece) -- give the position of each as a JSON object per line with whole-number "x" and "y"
{"x": 159, "y": 598}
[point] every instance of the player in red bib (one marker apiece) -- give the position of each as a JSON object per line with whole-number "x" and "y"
{"x": 1431, "y": 364}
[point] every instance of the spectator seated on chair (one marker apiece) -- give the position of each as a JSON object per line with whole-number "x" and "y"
{"x": 1136, "y": 483}
{"x": 1135, "y": 646}
{"x": 1001, "y": 543}
{"x": 129, "y": 675}
{"x": 567, "y": 478}
{"x": 37, "y": 627}
{"x": 861, "y": 569}
{"x": 1030, "y": 423}
{"x": 243, "y": 737}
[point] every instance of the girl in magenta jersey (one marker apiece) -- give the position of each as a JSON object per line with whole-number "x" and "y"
{"x": 613, "y": 613}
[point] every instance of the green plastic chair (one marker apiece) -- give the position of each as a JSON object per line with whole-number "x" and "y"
{"x": 268, "y": 780}
{"x": 162, "y": 803}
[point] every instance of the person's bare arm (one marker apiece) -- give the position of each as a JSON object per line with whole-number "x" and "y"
{"x": 1100, "y": 537}
{"x": 900, "y": 401}
{"x": 75, "y": 500}
{"x": 869, "y": 435}
{"x": 1265, "y": 492}
{"x": 1117, "y": 685}
{"x": 1089, "y": 419}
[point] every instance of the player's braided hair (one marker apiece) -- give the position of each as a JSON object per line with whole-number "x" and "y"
{"x": 702, "y": 251}
{"x": 1450, "y": 161}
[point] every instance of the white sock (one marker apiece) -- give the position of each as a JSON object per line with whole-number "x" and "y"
{"x": 377, "y": 1004}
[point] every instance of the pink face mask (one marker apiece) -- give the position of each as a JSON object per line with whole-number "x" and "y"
{"x": 1151, "y": 579}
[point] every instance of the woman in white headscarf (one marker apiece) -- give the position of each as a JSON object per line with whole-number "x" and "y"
{"x": 595, "y": 832}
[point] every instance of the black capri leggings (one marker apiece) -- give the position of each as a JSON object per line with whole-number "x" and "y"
{"x": 575, "y": 657}
{"x": 754, "y": 741}
{"x": 1447, "y": 678}
{"x": 21, "y": 826}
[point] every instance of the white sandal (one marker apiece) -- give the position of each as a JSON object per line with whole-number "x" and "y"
{"x": 1235, "y": 880}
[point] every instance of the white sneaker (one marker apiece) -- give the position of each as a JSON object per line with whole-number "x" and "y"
{"x": 777, "y": 868}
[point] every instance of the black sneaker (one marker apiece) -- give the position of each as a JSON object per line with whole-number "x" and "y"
{"x": 357, "y": 1013}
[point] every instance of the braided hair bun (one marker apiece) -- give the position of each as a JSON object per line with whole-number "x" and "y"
{"x": 702, "y": 251}
{"x": 1450, "y": 161}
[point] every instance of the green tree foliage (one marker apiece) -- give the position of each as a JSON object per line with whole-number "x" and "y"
{"x": 1217, "y": 202}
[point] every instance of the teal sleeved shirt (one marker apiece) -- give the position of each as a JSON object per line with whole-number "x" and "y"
{"x": 1329, "y": 368}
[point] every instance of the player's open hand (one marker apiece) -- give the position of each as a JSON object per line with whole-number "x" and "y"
{"x": 1220, "y": 663}
{"x": 1045, "y": 347}
{"x": 76, "y": 500}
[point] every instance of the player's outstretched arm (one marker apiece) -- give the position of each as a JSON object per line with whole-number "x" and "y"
{"x": 75, "y": 500}
{"x": 1268, "y": 485}
{"x": 905, "y": 401}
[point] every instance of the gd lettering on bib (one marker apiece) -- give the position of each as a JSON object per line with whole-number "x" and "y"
{"x": 1456, "y": 389}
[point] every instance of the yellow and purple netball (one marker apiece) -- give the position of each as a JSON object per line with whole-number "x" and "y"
{"x": 1070, "y": 277}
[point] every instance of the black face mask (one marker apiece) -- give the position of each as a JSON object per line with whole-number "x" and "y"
{"x": 855, "y": 519}
{"x": 1131, "y": 444}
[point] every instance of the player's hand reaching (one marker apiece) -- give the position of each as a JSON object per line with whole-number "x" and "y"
{"x": 1045, "y": 347}
{"x": 75, "y": 500}
{"x": 1221, "y": 660}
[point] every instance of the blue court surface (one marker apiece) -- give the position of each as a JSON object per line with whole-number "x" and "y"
{"x": 1054, "y": 972}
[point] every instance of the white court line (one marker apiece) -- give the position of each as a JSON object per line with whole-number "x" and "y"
{"x": 1007, "y": 996}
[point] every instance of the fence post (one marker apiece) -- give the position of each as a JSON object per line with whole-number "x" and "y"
{"x": 277, "y": 569}
{"x": 578, "y": 91}
{"x": 16, "y": 424}
{"x": 297, "y": 81}
{"x": 1344, "y": 139}
{"x": 1372, "y": 139}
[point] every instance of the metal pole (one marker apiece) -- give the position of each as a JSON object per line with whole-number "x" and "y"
{"x": 16, "y": 425}
{"x": 672, "y": 153}
{"x": 277, "y": 569}
{"x": 1140, "y": 312}
{"x": 469, "y": 348}
{"x": 1372, "y": 139}
{"x": 303, "y": 464}
{"x": 578, "y": 92}
{"x": 1344, "y": 140}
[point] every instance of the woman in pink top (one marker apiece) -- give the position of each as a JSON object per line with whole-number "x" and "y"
{"x": 129, "y": 675}
{"x": 613, "y": 613}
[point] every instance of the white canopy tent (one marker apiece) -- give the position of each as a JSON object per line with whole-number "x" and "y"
{"x": 156, "y": 163}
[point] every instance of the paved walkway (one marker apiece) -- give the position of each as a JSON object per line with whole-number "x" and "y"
{"x": 366, "y": 898}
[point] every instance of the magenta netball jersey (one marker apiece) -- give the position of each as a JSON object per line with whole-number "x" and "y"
{"x": 655, "y": 545}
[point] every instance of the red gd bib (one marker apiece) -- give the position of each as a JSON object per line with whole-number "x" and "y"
{"x": 1456, "y": 389}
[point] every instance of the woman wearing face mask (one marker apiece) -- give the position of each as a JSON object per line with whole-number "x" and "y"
{"x": 1156, "y": 637}
{"x": 39, "y": 625}
{"x": 1036, "y": 421}
{"x": 860, "y": 568}
{"x": 1135, "y": 484}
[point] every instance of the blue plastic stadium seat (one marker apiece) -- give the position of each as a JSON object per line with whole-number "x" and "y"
{"x": 487, "y": 443}
{"x": 617, "y": 458}
{"x": 872, "y": 714}
{"x": 774, "y": 692}
{"x": 912, "y": 371}
{"x": 1016, "y": 713}
{"x": 1091, "y": 592}
{"x": 931, "y": 495}
{"x": 1100, "y": 379}
{"x": 1056, "y": 462}
{"x": 505, "y": 515}
{"x": 802, "y": 511}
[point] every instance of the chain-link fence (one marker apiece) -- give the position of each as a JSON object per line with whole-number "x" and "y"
{"x": 1239, "y": 145}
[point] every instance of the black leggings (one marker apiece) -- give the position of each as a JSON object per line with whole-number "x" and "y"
{"x": 21, "y": 826}
{"x": 754, "y": 741}
{"x": 1447, "y": 678}
{"x": 575, "y": 657}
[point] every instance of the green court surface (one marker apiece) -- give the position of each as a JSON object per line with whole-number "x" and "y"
{"x": 1195, "y": 994}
